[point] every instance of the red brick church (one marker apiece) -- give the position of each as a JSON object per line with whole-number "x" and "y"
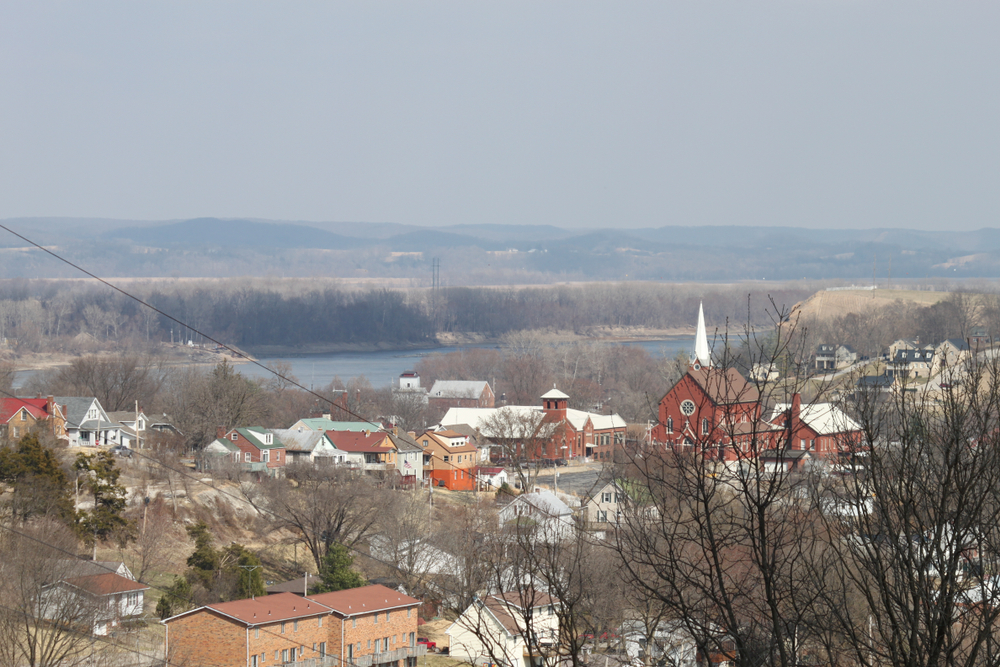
{"x": 717, "y": 411}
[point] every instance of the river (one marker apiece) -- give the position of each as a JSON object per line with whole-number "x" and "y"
{"x": 383, "y": 368}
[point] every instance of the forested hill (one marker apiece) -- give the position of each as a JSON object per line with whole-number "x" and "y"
{"x": 474, "y": 254}
{"x": 39, "y": 315}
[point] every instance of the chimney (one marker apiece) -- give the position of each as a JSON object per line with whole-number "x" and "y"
{"x": 220, "y": 432}
{"x": 50, "y": 405}
{"x": 794, "y": 419}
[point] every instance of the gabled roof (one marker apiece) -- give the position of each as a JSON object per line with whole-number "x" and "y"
{"x": 298, "y": 440}
{"x": 440, "y": 440}
{"x": 824, "y": 418}
{"x": 36, "y": 407}
{"x": 77, "y": 408}
{"x": 359, "y": 443}
{"x": 364, "y": 600}
{"x": 545, "y": 502}
{"x": 458, "y": 388}
{"x": 724, "y": 386}
{"x": 255, "y": 435}
{"x": 959, "y": 344}
{"x": 403, "y": 442}
{"x": 108, "y": 583}
{"x": 263, "y": 610}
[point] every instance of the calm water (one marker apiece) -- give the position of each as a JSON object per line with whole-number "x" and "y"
{"x": 383, "y": 368}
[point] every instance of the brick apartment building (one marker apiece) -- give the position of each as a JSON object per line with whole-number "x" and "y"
{"x": 371, "y": 626}
{"x": 375, "y": 626}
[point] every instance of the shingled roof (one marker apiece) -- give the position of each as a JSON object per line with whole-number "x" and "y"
{"x": 724, "y": 386}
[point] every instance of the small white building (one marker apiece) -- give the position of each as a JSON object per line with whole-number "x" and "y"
{"x": 497, "y": 630}
{"x": 552, "y": 518}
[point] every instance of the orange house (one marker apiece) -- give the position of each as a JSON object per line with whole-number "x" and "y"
{"x": 449, "y": 459}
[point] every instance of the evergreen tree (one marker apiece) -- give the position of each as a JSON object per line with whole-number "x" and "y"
{"x": 337, "y": 573}
{"x": 40, "y": 487}
{"x": 244, "y": 566}
{"x": 175, "y": 599}
{"x": 107, "y": 518}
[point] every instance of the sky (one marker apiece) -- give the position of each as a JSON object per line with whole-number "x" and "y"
{"x": 817, "y": 114}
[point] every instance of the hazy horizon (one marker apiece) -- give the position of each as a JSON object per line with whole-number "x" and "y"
{"x": 817, "y": 115}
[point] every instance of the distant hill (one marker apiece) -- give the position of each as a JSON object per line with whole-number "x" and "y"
{"x": 201, "y": 232}
{"x": 472, "y": 254}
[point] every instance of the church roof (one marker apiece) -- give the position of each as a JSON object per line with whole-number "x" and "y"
{"x": 725, "y": 386}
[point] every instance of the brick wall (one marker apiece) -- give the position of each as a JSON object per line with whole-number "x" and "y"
{"x": 361, "y": 632}
{"x": 203, "y": 638}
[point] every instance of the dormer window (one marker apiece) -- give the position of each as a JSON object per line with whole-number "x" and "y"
{"x": 234, "y": 437}
{"x": 268, "y": 438}
{"x": 92, "y": 413}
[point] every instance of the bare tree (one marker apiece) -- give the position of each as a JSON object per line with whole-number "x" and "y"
{"x": 116, "y": 380}
{"x": 517, "y": 434}
{"x": 324, "y": 505}
{"x": 915, "y": 531}
{"x": 40, "y": 618}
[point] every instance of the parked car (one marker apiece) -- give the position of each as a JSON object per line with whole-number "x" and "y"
{"x": 427, "y": 642}
{"x": 122, "y": 451}
{"x": 562, "y": 462}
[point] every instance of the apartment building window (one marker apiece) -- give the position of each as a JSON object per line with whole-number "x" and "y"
{"x": 354, "y": 622}
{"x": 408, "y": 612}
{"x": 284, "y": 655}
{"x": 322, "y": 649}
{"x": 386, "y": 617}
{"x": 320, "y": 622}
{"x": 412, "y": 639}
{"x": 376, "y": 619}
{"x": 295, "y": 626}
{"x": 256, "y": 634}
{"x": 282, "y": 628}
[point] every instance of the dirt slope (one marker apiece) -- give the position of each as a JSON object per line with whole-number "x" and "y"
{"x": 830, "y": 305}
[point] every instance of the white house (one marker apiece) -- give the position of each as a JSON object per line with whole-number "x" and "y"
{"x": 503, "y": 630}
{"x": 98, "y": 595}
{"x": 551, "y": 517}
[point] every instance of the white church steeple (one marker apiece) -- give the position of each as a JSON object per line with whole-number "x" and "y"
{"x": 702, "y": 354}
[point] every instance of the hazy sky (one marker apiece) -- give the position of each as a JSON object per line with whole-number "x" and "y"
{"x": 806, "y": 113}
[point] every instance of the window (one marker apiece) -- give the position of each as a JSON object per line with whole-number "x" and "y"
{"x": 606, "y": 497}
{"x": 246, "y": 456}
{"x": 284, "y": 655}
{"x": 387, "y": 620}
{"x": 277, "y": 455}
{"x": 378, "y": 645}
{"x": 295, "y": 626}
{"x": 350, "y": 650}
{"x": 704, "y": 426}
{"x": 354, "y": 622}
{"x": 264, "y": 456}
{"x": 812, "y": 445}
{"x": 602, "y": 516}
{"x": 282, "y": 628}
{"x": 234, "y": 437}
{"x": 369, "y": 644}
{"x": 376, "y": 619}
{"x": 408, "y": 612}
{"x": 412, "y": 639}
{"x": 322, "y": 649}
{"x": 319, "y": 624}
{"x": 256, "y": 634}
{"x": 551, "y": 610}
{"x": 394, "y": 640}
{"x": 275, "y": 654}
{"x": 670, "y": 424}
{"x": 446, "y": 457}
